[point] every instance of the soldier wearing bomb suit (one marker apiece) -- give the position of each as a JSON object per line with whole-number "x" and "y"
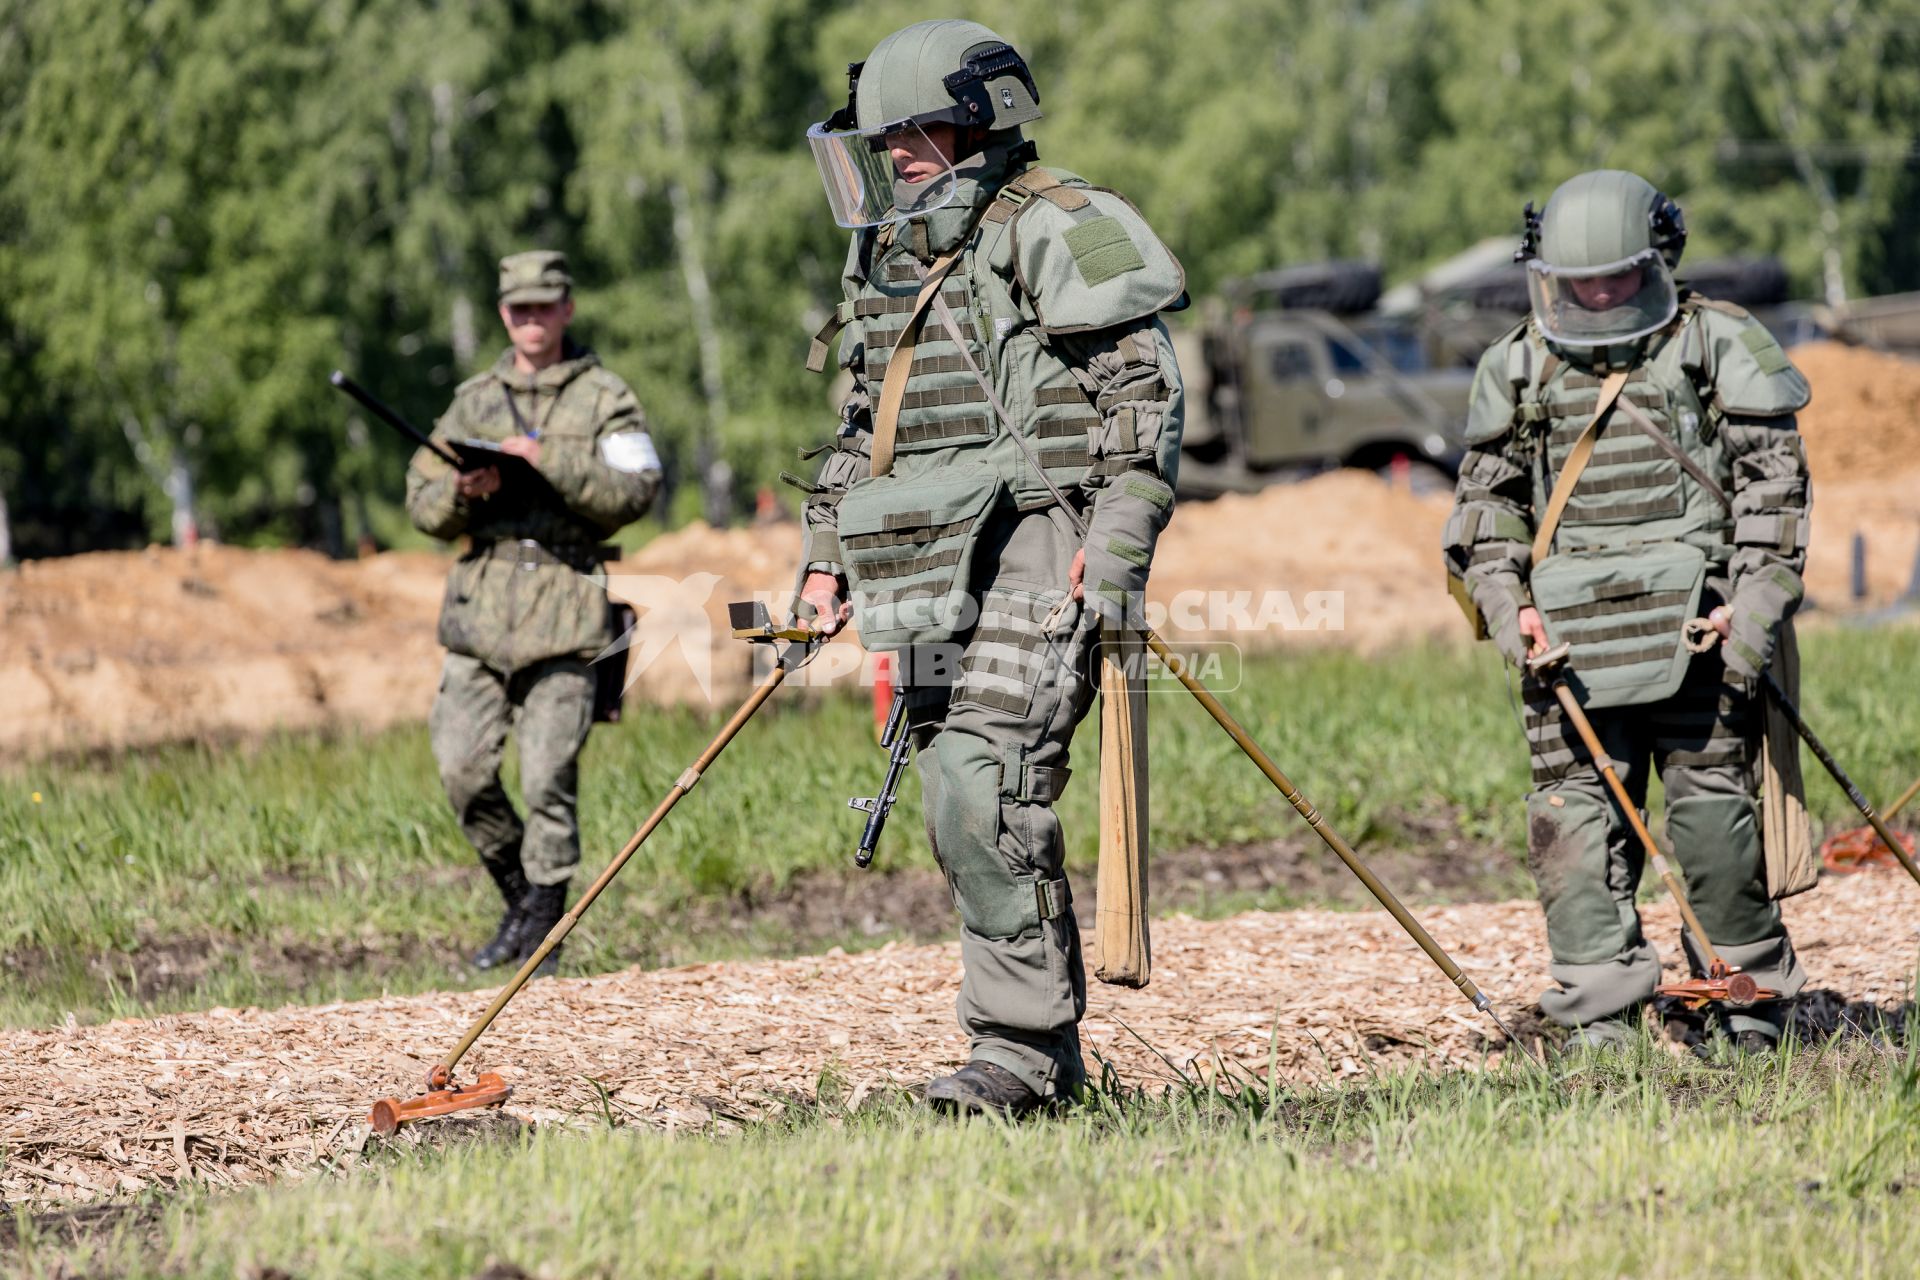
{"x": 1000, "y": 323}
{"x": 523, "y": 617}
{"x": 1690, "y": 497}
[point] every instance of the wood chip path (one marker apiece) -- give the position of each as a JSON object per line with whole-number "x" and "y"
{"x": 230, "y": 1097}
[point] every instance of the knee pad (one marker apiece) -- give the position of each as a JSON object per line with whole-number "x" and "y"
{"x": 1716, "y": 841}
{"x": 1567, "y": 836}
{"x": 966, "y": 823}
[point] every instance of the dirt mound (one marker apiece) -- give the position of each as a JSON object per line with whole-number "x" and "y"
{"x": 235, "y": 1096}
{"x": 1863, "y": 450}
{"x": 126, "y": 648}
{"x": 1374, "y": 549}
{"x": 1864, "y": 422}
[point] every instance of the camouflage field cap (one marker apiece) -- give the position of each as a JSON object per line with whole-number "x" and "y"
{"x": 538, "y": 275}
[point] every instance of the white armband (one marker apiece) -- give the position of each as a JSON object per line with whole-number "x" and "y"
{"x": 629, "y": 451}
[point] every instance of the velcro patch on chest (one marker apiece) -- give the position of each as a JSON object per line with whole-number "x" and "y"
{"x": 1102, "y": 249}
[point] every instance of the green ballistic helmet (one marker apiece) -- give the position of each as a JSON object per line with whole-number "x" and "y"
{"x": 1603, "y": 217}
{"x": 1600, "y": 259}
{"x": 945, "y": 71}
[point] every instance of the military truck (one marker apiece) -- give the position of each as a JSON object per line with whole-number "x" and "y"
{"x": 1310, "y": 367}
{"x": 1294, "y": 371}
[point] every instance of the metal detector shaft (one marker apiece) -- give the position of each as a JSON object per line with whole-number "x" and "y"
{"x": 1894, "y": 808}
{"x": 1264, "y": 762}
{"x": 1874, "y": 820}
{"x": 380, "y": 409}
{"x": 558, "y": 933}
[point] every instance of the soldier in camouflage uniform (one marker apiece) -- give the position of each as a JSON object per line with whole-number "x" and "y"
{"x": 1693, "y": 500}
{"x": 522, "y": 619}
{"x": 930, "y": 511}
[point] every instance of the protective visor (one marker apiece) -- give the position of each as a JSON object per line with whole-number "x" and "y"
{"x": 863, "y": 185}
{"x": 1599, "y": 306}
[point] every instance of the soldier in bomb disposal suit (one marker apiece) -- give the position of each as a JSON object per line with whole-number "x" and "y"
{"x": 1001, "y": 325}
{"x": 1633, "y": 463}
{"x": 522, "y": 618}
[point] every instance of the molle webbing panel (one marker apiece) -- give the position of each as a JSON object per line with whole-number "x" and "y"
{"x": 1622, "y": 612}
{"x": 1628, "y": 478}
{"x": 908, "y": 545}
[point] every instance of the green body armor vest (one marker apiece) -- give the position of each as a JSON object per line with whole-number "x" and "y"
{"x": 1639, "y": 536}
{"x": 907, "y": 538}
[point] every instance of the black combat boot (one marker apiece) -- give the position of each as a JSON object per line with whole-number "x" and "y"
{"x": 506, "y": 940}
{"x": 542, "y": 908}
{"x": 981, "y": 1087}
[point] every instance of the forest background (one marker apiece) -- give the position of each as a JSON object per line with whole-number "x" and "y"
{"x": 206, "y": 205}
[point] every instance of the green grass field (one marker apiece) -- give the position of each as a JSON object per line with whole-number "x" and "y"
{"x": 305, "y": 868}
{"x": 1642, "y": 1165}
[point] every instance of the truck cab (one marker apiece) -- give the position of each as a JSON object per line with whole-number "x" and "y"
{"x": 1291, "y": 373}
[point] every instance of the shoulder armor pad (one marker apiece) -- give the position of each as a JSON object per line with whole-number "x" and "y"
{"x": 1751, "y": 374}
{"x": 1504, "y": 367}
{"x": 1088, "y": 260}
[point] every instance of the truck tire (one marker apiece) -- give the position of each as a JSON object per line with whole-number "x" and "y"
{"x": 1745, "y": 282}
{"x": 1343, "y": 287}
{"x": 1503, "y": 290}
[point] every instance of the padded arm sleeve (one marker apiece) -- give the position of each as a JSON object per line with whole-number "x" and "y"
{"x": 1135, "y": 382}
{"x": 1772, "y": 509}
{"x": 1487, "y": 541}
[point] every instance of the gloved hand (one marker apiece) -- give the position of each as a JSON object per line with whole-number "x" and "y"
{"x": 1516, "y": 630}
{"x": 1747, "y": 644}
{"x": 1111, "y": 582}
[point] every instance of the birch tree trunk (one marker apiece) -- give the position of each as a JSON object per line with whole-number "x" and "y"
{"x": 716, "y": 477}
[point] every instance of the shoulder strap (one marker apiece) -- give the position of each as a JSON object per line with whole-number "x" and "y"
{"x": 1576, "y": 463}
{"x": 506, "y": 393}
{"x": 1674, "y": 451}
{"x": 893, "y": 391}
{"x": 1036, "y": 181}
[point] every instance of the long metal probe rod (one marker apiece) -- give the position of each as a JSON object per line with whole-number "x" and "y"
{"x": 686, "y": 782}
{"x": 1894, "y": 809}
{"x": 1662, "y": 868}
{"x": 1264, "y": 762}
{"x": 1819, "y": 749}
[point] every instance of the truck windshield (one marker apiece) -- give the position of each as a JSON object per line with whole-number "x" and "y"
{"x": 1401, "y": 350}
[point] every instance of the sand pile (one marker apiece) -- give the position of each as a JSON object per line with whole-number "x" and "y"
{"x": 1864, "y": 422}
{"x": 127, "y": 648}
{"x": 1863, "y": 449}
{"x": 1374, "y": 548}
{"x": 680, "y": 585}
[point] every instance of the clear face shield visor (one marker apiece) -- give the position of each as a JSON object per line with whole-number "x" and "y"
{"x": 880, "y": 175}
{"x": 1600, "y": 306}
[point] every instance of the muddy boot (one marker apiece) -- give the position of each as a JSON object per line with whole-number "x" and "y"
{"x": 505, "y": 943}
{"x": 543, "y": 906}
{"x": 981, "y": 1087}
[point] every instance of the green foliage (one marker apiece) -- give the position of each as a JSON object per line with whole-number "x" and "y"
{"x": 209, "y": 203}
